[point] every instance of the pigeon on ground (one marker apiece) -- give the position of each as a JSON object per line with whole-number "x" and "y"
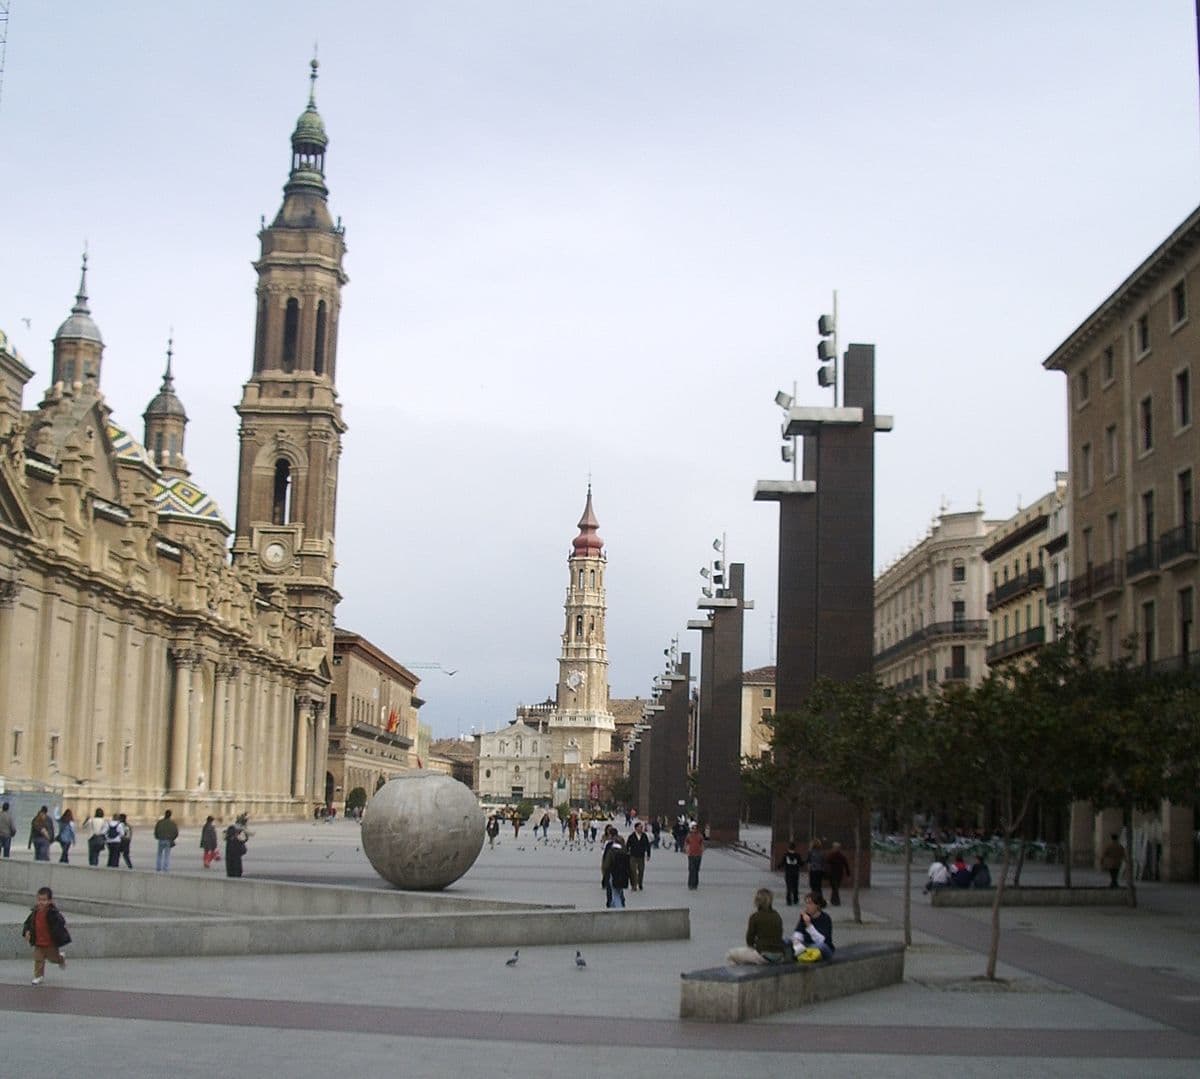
{"x": 512, "y": 960}
{"x": 580, "y": 962}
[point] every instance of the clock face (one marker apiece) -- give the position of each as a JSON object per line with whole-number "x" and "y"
{"x": 274, "y": 554}
{"x": 575, "y": 679}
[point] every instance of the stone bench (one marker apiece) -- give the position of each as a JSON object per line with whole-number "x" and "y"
{"x": 1039, "y": 896}
{"x": 734, "y": 994}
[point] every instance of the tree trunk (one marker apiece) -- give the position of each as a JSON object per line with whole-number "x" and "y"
{"x": 994, "y": 946}
{"x": 908, "y": 880}
{"x": 1130, "y": 867}
{"x": 857, "y": 863}
{"x": 1068, "y": 851}
{"x": 1020, "y": 860}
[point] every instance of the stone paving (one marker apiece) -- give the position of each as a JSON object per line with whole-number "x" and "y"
{"x": 1103, "y": 992}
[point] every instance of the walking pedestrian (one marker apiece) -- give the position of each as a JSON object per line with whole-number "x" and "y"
{"x": 7, "y": 830}
{"x": 66, "y": 835}
{"x": 112, "y": 841}
{"x": 208, "y": 841}
{"x": 46, "y": 931}
{"x": 96, "y": 830}
{"x": 166, "y": 831}
{"x": 615, "y": 869}
{"x": 41, "y": 835}
{"x": 235, "y": 848}
{"x": 816, "y": 866}
{"x": 693, "y": 847}
{"x": 1113, "y": 858}
{"x": 837, "y": 867}
{"x": 790, "y": 864}
{"x": 126, "y": 839}
{"x": 638, "y": 849}
{"x": 493, "y": 830}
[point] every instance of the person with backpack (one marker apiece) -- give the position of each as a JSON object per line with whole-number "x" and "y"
{"x": 126, "y": 839}
{"x": 113, "y": 834}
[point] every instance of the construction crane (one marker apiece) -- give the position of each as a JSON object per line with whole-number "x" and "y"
{"x": 4, "y": 6}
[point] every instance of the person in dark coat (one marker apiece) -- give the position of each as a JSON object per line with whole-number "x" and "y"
{"x": 235, "y": 847}
{"x": 790, "y": 863}
{"x": 837, "y": 869}
{"x": 638, "y": 848}
{"x": 46, "y": 931}
{"x": 208, "y": 842}
{"x": 815, "y": 927}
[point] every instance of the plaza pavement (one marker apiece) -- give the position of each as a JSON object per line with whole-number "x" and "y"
{"x": 1086, "y": 992}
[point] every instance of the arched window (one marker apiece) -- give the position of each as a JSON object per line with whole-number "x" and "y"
{"x": 519, "y": 742}
{"x": 158, "y": 447}
{"x": 581, "y": 578}
{"x": 291, "y": 334}
{"x": 319, "y": 344}
{"x": 281, "y": 508}
{"x": 578, "y": 626}
{"x": 591, "y": 626}
{"x": 591, "y": 578}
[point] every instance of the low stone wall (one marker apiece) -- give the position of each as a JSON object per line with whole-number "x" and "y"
{"x": 735, "y": 994}
{"x": 157, "y": 914}
{"x": 1039, "y": 896}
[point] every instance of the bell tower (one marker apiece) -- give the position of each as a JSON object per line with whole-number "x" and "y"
{"x": 291, "y": 420}
{"x": 582, "y": 718}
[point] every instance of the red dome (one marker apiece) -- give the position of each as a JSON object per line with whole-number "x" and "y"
{"x": 588, "y": 544}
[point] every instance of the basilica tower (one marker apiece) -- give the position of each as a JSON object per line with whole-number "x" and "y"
{"x": 582, "y": 723}
{"x": 291, "y": 420}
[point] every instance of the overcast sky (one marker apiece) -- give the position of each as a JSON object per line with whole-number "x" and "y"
{"x": 593, "y": 239}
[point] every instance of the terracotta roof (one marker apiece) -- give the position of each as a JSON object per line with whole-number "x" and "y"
{"x": 627, "y": 710}
{"x": 759, "y": 674}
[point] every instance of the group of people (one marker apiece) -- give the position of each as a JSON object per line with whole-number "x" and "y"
{"x": 832, "y": 866}
{"x": 957, "y": 874}
{"x": 623, "y": 863}
{"x": 112, "y": 837}
{"x": 811, "y": 941}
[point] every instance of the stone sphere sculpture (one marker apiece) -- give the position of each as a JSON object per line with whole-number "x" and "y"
{"x": 422, "y": 830}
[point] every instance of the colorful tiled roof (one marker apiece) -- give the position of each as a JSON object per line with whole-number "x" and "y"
{"x": 126, "y": 447}
{"x": 175, "y": 496}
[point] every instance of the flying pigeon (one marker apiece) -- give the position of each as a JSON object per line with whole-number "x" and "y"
{"x": 580, "y": 962}
{"x": 512, "y": 960}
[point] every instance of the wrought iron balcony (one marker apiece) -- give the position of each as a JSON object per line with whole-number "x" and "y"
{"x": 1141, "y": 559}
{"x": 1099, "y": 579}
{"x": 1055, "y": 593}
{"x": 1035, "y": 578}
{"x": 957, "y": 674}
{"x": 967, "y": 627}
{"x": 1018, "y": 642}
{"x": 1177, "y": 545}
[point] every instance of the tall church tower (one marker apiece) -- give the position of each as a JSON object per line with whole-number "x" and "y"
{"x": 582, "y": 722}
{"x": 291, "y": 421}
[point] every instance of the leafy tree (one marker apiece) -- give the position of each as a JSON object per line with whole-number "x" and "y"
{"x": 622, "y": 791}
{"x": 357, "y": 797}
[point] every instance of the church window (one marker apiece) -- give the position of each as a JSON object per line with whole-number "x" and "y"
{"x": 519, "y": 744}
{"x": 18, "y": 739}
{"x": 578, "y": 626}
{"x": 319, "y": 344}
{"x": 172, "y": 449}
{"x": 99, "y": 756}
{"x": 581, "y": 578}
{"x": 592, "y": 579}
{"x": 127, "y": 757}
{"x": 503, "y": 747}
{"x": 54, "y": 744}
{"x": 591, "y": 626}
{"x": 281, "y": 508}
{"x": 487, "y": 773}
{"x": 291, "y": 334}
{"x": 69, "y": 372}
{"x": 158, "y": 447}
{"x": 534, "y": 750}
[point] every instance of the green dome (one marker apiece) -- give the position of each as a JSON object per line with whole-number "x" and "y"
{"x": 310, "y": 129}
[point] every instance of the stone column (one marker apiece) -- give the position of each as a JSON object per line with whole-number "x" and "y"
{"x": 184, "y": 660}
{"x": 220, "y": 727}
{"x": 10, "y": 592}
{"x": 320, "y": 746}
{"x": 301, "y": 724}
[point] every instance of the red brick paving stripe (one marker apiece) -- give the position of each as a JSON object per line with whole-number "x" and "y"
{"x": 444, "y": 1023}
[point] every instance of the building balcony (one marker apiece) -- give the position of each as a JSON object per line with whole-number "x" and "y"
{"x": 956, "y": 674}
{"x": 1141, "y": 560}
{"x": 975, "y": 628}
{"x": 1035, "y": 578}
{"x": 1177, "y": 547}
{"x": 1099, "y": 579}
{"x": 1016, "y": 644}
{"x": 1056, "y": 593}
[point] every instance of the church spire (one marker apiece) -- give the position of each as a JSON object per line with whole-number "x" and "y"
{"x": 588, "y": 543}
{"x": 165, "y": 421}
{"x": 78, "y": 345}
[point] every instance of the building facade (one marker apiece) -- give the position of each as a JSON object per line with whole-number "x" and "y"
{"x": 1017, "y": 563}
{"x": 373, "y": 718}
{"x": 931, "y": 625}
{"x": 1134, "y": 449}
{"x": 758, "y": 705}
{"x": 142, "y": 667}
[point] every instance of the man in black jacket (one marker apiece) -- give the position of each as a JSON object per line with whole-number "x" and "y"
{"x": 638, "y": 849}
{"x": 46, "y": 930}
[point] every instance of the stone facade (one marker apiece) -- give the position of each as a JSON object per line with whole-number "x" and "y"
{"x": 1134, "y": 448}
{"x": 931, "y": 623}
{"x": 758, "y": 703}
{"x": 141, "y": 667}
{"x": 372, "y": 718}
{"x": 1017, "y": 563}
